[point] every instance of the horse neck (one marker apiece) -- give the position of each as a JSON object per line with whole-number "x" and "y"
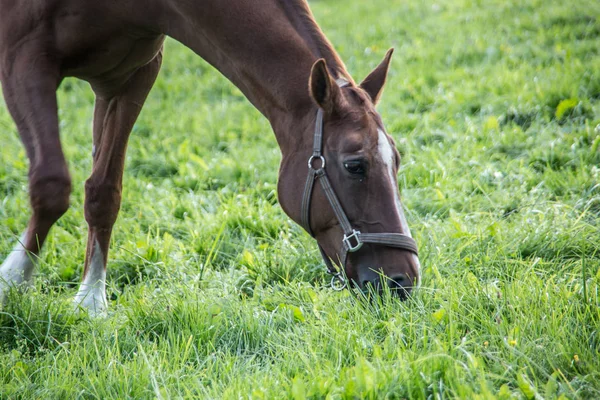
{"x": 265, "y": 47}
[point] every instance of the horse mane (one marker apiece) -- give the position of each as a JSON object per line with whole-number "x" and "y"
{"x": 299, "y": 14}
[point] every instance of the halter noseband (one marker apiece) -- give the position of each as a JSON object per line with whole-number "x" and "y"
{"x": 353, "y": 239}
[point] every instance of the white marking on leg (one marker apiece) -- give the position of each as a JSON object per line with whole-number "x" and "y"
{"x": 387, "y": 154}
{"x": 17, "y": 269}
{"x": 92, "y": 293}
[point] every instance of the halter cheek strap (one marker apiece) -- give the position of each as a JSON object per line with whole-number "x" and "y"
{"x": 353, "y": 239}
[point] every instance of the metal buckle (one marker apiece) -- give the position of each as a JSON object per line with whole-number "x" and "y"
{"x": 338, "y": 282}
{"x": 312, "y": 158}
{"x": 347, "y": 240}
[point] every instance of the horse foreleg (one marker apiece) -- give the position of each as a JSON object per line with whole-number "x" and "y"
{"x": 114, "y": 117}
{"x": 29, "y": 88}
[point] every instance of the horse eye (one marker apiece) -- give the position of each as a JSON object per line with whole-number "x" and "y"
{"x": 356, "y": 167}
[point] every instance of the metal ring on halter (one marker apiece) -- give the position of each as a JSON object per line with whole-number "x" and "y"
{"x": 312, "y": 158}
{"x": 341, "y": 282}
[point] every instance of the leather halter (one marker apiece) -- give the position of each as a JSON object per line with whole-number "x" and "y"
{"x": 353, "y": 239}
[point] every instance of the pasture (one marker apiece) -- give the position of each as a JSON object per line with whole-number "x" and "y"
{"x": 215, "y": 293}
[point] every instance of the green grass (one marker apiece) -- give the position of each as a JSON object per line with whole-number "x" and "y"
{"x": 215, "y": 293}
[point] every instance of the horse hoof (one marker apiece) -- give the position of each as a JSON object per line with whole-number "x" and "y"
{"x": 95, "y": 306}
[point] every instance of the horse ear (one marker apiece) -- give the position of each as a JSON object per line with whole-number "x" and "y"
{"x": 323, "y": 89}
{"x": 374, "y": 82}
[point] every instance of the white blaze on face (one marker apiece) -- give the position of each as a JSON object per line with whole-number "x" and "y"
{"x": 92, "y": 293}
{"x": 387, "y": 154}
{"x": 17, "y": 268}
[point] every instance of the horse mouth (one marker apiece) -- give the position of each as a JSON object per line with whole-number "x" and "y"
{"x": 399, "y": 286}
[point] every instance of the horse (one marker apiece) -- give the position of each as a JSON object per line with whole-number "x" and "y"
{"x": 337, "y": 176}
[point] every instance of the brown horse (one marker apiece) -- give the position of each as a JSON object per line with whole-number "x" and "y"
{"x": 275, "y": 53}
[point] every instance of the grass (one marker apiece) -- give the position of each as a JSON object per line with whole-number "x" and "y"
{"x": 215, "y": 293}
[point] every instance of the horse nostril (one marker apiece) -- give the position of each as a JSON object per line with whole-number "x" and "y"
{"x": 401, "y": 281}
{"x": 401, "y": 285}
{"x": 372, "y": 284}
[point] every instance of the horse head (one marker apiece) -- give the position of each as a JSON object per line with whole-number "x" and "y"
{"x": 348, "y": 198}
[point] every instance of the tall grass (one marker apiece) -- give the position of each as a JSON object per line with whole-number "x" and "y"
{"x": 214, "y": 293}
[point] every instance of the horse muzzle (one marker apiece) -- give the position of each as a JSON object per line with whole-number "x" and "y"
{"x": 399, "y": 277}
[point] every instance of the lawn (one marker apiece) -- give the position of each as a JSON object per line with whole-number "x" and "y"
{"x": 215, "y": 293}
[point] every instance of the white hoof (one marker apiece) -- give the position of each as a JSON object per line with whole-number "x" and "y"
{"x": 16, "y": 270}
{"x": 92, "y": 299}
{"x": 92, "y": 293}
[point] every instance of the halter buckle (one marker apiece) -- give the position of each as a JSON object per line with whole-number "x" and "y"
{"x": 312, "y": 158}
{"x": 348, "y": 241}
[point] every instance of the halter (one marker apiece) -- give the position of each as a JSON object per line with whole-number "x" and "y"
{"x": 353, "y": 239}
